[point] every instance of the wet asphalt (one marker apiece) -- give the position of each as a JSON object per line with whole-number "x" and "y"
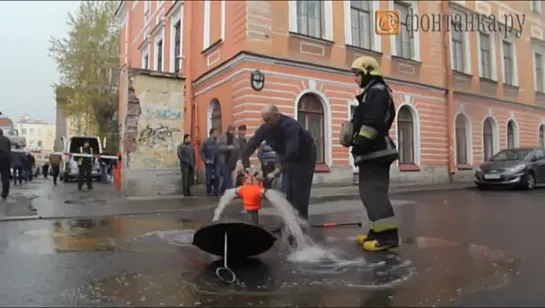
{"x": 467, "y": 248}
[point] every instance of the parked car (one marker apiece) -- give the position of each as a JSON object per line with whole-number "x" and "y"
{"x": 520, "y": 167}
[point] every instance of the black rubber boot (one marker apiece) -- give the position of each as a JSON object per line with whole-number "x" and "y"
{"x": 379, "y": 241}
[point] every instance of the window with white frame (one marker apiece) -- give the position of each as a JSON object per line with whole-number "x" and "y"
{"x": 176, "y": 46}
{"x": 511, "y": 135}
{"x": 145, "y": 58}
{"x": 458, "y": 46}
{"x": 147, "y": 5}
{"x": 538, "y": 61}
{"x": 310, "y": 18}
{"x": 159, "y": 54}
{"x": 542, "y": 135}
{"x": 404, "y": 41}
{"x": 406, "y": 135}
{"x": 360, "y": 17}
{"x": 508, "y": 63}
{"x": 486, "y": 55}
{"x": 536, "y": 6}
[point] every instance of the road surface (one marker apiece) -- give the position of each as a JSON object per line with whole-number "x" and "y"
{"x": 461, "y": 247}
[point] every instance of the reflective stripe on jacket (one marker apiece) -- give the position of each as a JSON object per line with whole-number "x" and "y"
{"x": 80, "y": 160}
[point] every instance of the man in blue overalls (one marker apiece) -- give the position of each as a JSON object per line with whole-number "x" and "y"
{"x": 85, "y": 165}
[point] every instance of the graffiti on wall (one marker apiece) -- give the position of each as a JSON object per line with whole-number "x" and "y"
{"x": 158, "y": 124}
{"x": 156, "y": 135}
{"x": 164, "y": 113}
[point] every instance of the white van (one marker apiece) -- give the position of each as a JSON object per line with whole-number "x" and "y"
{"x": 69, "y": 166}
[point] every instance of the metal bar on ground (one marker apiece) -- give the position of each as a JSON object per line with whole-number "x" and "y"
{"x": 333, "y": 224}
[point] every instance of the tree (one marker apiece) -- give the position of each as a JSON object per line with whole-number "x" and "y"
{"x": 88, "y": 62}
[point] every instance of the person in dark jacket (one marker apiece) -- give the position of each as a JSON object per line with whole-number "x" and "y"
{"x": 85, "y": 166}
{"x": 17, "y": 162}
{"x": 296, "y": 151}
{"x": 45, "y": 170}
{"x": 269, "y": 161}
{"x": 374, "y": 152}
{"x": 5, "y": 163}
{"x": 210, "y": 157}
{"x": 55, "y": 160}
{"x": 240, "y": 144}
{"x": 227, "y": 151}
{"x": 30, "y": 164}
{"x": 186, "y": 155}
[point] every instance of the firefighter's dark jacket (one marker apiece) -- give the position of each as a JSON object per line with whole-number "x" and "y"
{"x": 372, "y": 120}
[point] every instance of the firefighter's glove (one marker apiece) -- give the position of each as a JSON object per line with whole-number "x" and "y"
{"x": 273, "y": 174}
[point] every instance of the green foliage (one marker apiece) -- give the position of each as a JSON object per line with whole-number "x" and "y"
{"x": 88, "y": 62}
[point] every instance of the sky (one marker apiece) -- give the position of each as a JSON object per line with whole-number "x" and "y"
{"x": 26, "y": 70}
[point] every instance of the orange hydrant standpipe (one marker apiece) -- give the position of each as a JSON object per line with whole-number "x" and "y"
{"x": 251, "y": 193}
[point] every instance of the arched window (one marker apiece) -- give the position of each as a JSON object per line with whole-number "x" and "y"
{"x": 542, "y": 135}
{"x": 511, "y": 134}
{"x": 215, "y": 115}
{"x": 310, "y": 113}
{"x": 488, "y": 138}
{"x": 462, "y": 140}
{"x": 405, "y": 135}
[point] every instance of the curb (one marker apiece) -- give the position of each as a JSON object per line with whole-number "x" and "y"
{"x": 144, "y": 213}
{"x": 398, "y": 191}
{"x": 19, "y": 218}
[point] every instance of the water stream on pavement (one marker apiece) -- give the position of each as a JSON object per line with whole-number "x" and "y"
{"x": 305, "y": 250}
{"x": 227, "y": 197}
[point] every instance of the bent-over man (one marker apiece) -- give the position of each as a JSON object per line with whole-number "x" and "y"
{"x": 296, "y": 152}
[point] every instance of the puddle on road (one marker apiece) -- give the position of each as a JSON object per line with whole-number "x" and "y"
{"x": 117, "y": 233}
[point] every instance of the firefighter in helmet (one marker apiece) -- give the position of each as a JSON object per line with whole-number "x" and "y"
{"x": 374, "y": 152}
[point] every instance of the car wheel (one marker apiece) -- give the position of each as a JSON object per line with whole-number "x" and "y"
{"x": 529, "y": 181}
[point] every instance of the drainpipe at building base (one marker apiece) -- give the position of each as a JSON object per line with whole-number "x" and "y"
{"x": 450, "y": 89}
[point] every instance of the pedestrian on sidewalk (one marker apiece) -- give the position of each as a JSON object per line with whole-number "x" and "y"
{"x": 240, "y": 144}
{"x": 227, "y": 150}
{"x": 55, "y": 162}
{"x": 85, "y": 165}
{"x": 374, "y": 152}
{"x": 17, "y": 162}
{"x": 209, "y": 155}
{"x": 45, "y": 170}
{"x": 186, "y": 155}
{"x": 30, "y": 164}
{"x": 5, "y": 163}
